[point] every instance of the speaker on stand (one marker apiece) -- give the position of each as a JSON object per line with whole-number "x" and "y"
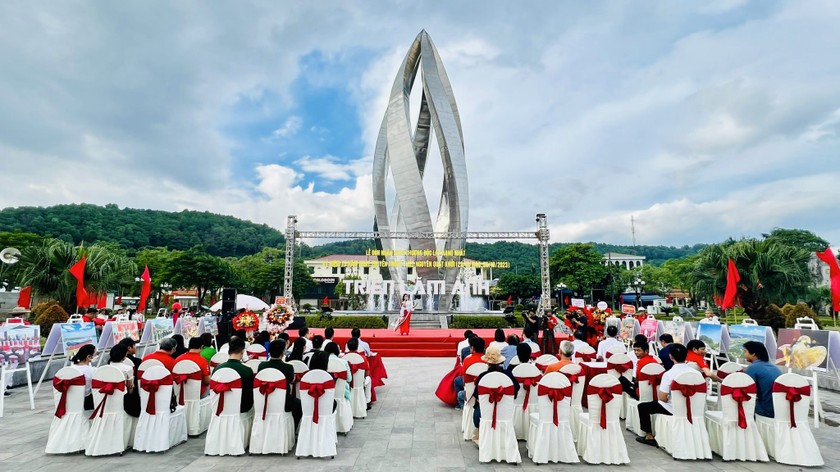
{"x": 226, "y": 317}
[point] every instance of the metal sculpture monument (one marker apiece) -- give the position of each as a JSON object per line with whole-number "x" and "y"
{"x": 404, "y": 153}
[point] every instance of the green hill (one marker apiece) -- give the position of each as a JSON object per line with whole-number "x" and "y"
{"x": 134, "y": 229}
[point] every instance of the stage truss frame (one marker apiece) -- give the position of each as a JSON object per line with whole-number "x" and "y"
{"x": 542, "y": 235}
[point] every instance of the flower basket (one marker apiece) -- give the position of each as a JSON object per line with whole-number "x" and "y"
{"x": 246, "y": 321}
{"x": 278, "y": 318}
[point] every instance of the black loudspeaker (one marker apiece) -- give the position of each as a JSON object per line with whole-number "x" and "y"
{"x": 228, "y": 300}
{"x": 598, "y": 294}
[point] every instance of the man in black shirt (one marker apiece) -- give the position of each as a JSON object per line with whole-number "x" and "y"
{"x": 276, "y": 350}
{"x": 236, "y": 347}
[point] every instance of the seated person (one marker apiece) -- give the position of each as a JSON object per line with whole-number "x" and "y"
{"x": 697, "y": 356}
{"x": 509, "y": 351}
{"x": 298, "y": 350}
{"x": 580, "y": 340}
{"x": 608, "y": 342}
{"x": 565, "y": 354}
{"x": 131, "y": 400}
{"x": 465, "y": 351}
{"x": 353, "y": 346}
{"x": 527, "y": 338}
{"x": 476, "y": 352}
{"x": 276, "y": 350}
{"x": 194, "y": 354}
{"x": 130, "y": 358}
{"x": 632, "y": 353}
{"x": 499, "y": 339}
{"x": 164, "y": 353}
{"x": 82, "y": 360}
{"x": 465, "y": 344}
{"x": 495, "y": 363}
{"x": 678, "y": 353}
{"x": 640, "y": 351}
{"x": 236, "y": 349}
{"x": 665, "y": 342}
{"x": 356, "y": 334}
{"x": 333, "y": 350}
{"x": 207, "y": 350}
{"x": 764, "y": 374}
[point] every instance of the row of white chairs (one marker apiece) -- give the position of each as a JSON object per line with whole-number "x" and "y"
{"x": 595, "y": 435}
{"x": 109, "y": 430}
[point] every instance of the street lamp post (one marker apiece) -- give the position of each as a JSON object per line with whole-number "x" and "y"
{"x": 639, "y": 285}
{"x": 560, "y": 287}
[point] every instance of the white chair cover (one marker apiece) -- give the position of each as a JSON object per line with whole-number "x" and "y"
{"x": 544, "y": 361}
{"x": 187, "y": 377}
{"x": 224, "y": 349}
{"x": 147, "y": 364}
{"x": 651, "y": 375}
{"x": 528, "y": 375}
{"x": 254, "y": 364}
{"x": 600, "y": 440}
{"x": 357, "y": 387}
{"x": 575, "y": 374}
{"x": 613, "y": 350}
{"x": 343, "y": 409}
{"x": 467, "y": 423}
{"x": 713, "y": 396}
{"x": 585, "y": 353}
{"x": 70, "y": 425}
{"x": 682, "y": 438}
{"x": 107, "y": 431}
{"x": 620, "y": 365}
{"x": 158, "y": 429}
{"x": 229, "y": 430}
{"x": 256, "y": 352}
{"x": 496, "y": 439}
{"x": 218, "y": 359}
{"x": 733, "y": 434}
{"x": 273, "y": 431}
{"x": 550, "y": 439}
{"x": 300, "y": 368}
{"x": 317, "y": 436}
{"x": 789, "y": 444}
{"x": 729, "y": 368}
{"x": 514, "y": 361}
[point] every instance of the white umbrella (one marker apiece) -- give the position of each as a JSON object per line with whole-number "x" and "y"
{"x": 244, "y": 301}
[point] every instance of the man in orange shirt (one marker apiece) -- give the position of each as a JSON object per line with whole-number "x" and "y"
{"x": 697, "y": 355}
{"x": 194, "y": 354}
{"x": 565, "y": 353}
{"x": 164, "y": 353}
{"x": 641, "y": 350}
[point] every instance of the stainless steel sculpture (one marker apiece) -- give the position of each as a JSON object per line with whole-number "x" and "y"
{"x": 403, "y": 152}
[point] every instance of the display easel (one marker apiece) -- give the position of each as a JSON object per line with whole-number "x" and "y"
{"x": 202, "y": 328}
{"x": 56, "y": 348}
{"x": 147, "y": 338}
{"x": 106, "y": 339}
{"x": 4, "y": 371}
{"x": 808, "y": 323}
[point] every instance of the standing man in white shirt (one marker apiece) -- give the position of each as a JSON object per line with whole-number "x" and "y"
{"x": 608, "y": 342}
{"x": 678, "y": 353}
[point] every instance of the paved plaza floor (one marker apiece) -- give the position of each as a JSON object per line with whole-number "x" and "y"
{"x": 407, "y": 429}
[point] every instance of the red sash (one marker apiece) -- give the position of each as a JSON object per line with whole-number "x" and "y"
{"x": 355, "y": 367}
{"x": 606, "y": 394}
{"x": 620, "y": 368}
{"x": 267, "y": 388}
{"x": 527, "y": 383}
{"x": 607, "y": 355}
{"x": 535, "y": 354}
{"x": 586, "y": 356}
{"x": 653, "y": 379}
{"x": 722, "y": 374}
{"x": 107, "y": 389}
{"x": 555, "y": 395}
{"x": 542, "y": 367}
{"x": 340, "y": 375}
{"x": 573, "y": 378}
{"x": 221, "y": 388}
{"x": 152, "y": 387}
{"x": 257, "y": 355}
{"x": 688, "y": 391}
{"x": 469, "y": 378}
{"x": 740, "y": 395}
{"x": 181, "y": 379}
{"x": 495, "y": 395}
{"x": 62, "y": 385}
{"x": 213, "y": 364}
{"x": 316, "y": 390}
{"x": 793, "y": 395}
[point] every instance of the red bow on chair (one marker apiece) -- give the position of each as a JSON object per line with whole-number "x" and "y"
{"x": 340, "y": 375}
{"x": 527, "y": 383}
{"x": 793, "y": 395}
{"x": 181, "y": 380}
{"x": 653, "y": 379}
{"x": 257, "y": 355}
{"x": 688, "y": 391}
{"x": 316, "y": 390}
{"x": 152, "y": 387}
{"x": 740, "y": 395}
{"x": 469, "y": 378}
{"x": 267, "y": 388}
{"x": 495, "y": 395}
{"x": 723, "y": 374}
{"x": 555, "y": 395}
{"x": 221, "y": 388}
{"x": 607, "y": 355}
{"x": 620, "y": 368}
{"x": 586, "y": 356}
{"x": 573, "y": 378}
{"x": 62, "y": 385}
{"x": 605, "y": 394}
{"x": 214, "y": 364}
{"x": 107, "y": 389}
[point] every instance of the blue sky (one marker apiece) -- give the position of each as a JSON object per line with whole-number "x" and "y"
{"x": 701, "y": 120}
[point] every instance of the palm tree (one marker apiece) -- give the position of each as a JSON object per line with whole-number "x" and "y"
{"x": 771, "y": 273}
{"x": 45, "y": 267}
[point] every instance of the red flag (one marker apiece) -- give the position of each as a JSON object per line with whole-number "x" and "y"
{"x": 834, "y": 274}
{"x": 102, "y": 300}
{"x": 119, "y": 300}
{"x": 78, "y": 271}
{"x": 510, "y": 299}
{"x": 145, "y": 290}
{"x": 732, "y": 279}
{"x": 326, "y": 301}
{"x": 25, "y": 297}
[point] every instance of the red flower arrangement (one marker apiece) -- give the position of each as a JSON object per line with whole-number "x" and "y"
{"x": 279, "y": 317}
{"x": 246, "y": 321}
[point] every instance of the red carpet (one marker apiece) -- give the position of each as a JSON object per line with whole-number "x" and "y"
{"x": 419, "y": 343}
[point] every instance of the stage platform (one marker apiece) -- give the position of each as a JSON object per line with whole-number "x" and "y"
{"x": 419, "y": 343}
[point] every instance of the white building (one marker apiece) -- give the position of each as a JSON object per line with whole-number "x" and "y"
{"x": 628, "y": 261}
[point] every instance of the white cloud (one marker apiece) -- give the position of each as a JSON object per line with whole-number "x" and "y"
{"x": 289, "y": 128}
{"x": 328, "y": 167}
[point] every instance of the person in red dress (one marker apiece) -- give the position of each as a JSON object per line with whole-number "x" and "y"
{"x": 404, "y": 321}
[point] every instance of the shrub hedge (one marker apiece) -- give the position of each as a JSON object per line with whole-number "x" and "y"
{"x": 484, "y": 322}
{"x": 348, "y": 322}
